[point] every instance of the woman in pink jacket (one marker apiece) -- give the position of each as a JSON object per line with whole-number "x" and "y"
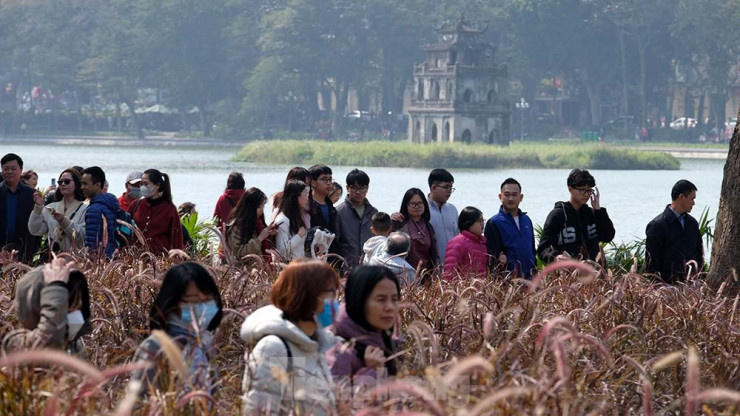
{"x": 466, "y": 253}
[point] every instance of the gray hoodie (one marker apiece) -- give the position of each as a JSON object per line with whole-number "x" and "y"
{"x": 275, "y": 380}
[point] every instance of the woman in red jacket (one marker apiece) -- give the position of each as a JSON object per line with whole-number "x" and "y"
{"x": 155, "y": 214}
{"x": 466, "y": 254}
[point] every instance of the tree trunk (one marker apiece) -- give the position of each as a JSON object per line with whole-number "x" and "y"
{"x": 134, "y": 119}
{"x": 594, "y": 99}
{"x": 725, "y": 263}
{"x": 625, "y": 89}
{"x": 204, "y": 124}
{"x": 643, "y": 76}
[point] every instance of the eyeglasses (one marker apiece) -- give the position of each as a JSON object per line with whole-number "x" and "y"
{"x": 585, "y": 191}
{"x": 418, "y": 204}
{"x": 65, "y": 181}
{"x": 358, "y": 189}
{"x": 446, "y": 188}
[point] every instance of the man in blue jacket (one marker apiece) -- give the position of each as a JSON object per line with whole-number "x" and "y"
{"x": 100, "y": 217}
{"x": 16, "y": 204}
{"x": 509, "y": 234}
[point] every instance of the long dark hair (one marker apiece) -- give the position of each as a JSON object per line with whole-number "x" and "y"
{"x": 244, "y": 215}
{"x": 162, "y": 180}
{"x": 79, "y": 292}
{"x": 289, "y": 205}
{"x": 297, "y": 173}
{"x": 405, "y": 202}
{"x": 174, "y": 285}
{"x": 77, "y": 179}
{"x": 358, "y": 288}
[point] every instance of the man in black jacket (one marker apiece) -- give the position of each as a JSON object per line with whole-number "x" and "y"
{"x": 16, "y": 204}
{"x": 573, "y": 229}
{"x": 673, "y": 237}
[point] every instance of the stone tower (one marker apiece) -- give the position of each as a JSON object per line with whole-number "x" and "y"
{"x": 458, "y": 91}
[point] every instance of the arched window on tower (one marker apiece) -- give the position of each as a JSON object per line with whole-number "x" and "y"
{"x": 435, "y": 91}
{"x": 420, "y": 90}
{"x": 468, "y": 96}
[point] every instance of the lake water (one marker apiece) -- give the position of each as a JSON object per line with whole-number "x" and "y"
{"x": 199, "y": 175}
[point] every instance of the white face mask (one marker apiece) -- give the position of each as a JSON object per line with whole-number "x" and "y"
{"x": 145, "y": 191}
{"x": 75, "y": 320}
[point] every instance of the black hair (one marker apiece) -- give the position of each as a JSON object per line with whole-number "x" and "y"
{"x": 357, "y": 177}
{"x": 289, "y": 204}
{"x": 578, "y": 177}
{"x": 79, "y": 291}
{"x": 11, "y": 157}
{"x": 78, "y": 168}
{"x": 682, "y": 187}
{"x": 468, "y": 217}
{"x": 244, "y": 215}
{"x": 235, "y": 181}
{"x": 162, "y": 180}
{"x": 438, "y": 176}
{"x": 174, "y": 285}
{"x": 360, "y": 284}
{"x": 381, "y": 221}
{"x": 405, "y": 202}
{"x": 511, "y": 181}
{"x": 297, "y": 173}
{"x": 97, "y": 175}
{"x": 317, "y": 170}
{"x": 77, "y": 179}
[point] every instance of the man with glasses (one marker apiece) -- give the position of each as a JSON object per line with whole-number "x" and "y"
{"x": 443, "y": 215}
{"x": 573, "y": 229}
{"x": 322, "y": 211}
{"x": 354, "y": 218}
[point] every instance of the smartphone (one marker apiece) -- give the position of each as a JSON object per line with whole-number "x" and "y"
{"x": 53, "y": 182}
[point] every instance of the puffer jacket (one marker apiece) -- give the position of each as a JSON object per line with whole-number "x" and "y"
{"x": 277, "y": 380}
{"x": 466, "y": 254}
{"x": 69, "y": 234}
{"x": 42, "y": 313}
{"x": 99, "y": 217}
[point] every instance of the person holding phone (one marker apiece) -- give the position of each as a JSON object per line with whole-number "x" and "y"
{"x": 292, "y": 226}
{"x": 246, "y": 231}
{"x": 62, "y": 221}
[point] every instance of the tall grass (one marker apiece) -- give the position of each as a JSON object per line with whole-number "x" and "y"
{"x": 404, "y": 154}
{"x": 576, "y": 340}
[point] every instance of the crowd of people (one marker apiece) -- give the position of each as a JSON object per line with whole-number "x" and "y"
{"x": 304, "y": 332}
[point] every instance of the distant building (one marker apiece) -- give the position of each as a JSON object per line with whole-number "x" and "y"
{"x": 458, "y": 93}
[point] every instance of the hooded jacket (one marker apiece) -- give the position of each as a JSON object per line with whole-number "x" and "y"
{"x": 374, "y": 245}
{"x": 269, "y": 387}
{"x": 376, "y": 254}
{"x": 100, "y": 217}
{"x": 669, "y": 245}
{"x": 577, "y": 233}
{"x": 343, "y": 357}
{"x": 42, "y": 312}
{"x": 466, "y": 253}
{"x": 226, "y": 202}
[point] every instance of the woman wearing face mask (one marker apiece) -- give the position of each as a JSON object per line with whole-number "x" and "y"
{"x": 63, "y": 221}
{"x": 286, "y": 369}
{"x": 188, "y": 308}
{"x": 53, "y": 306}
{"x": 364, "y": 323}
{"x": 292, "y": 221}
{"x": 246, "y": 232}
{"x": 155, "y": 214}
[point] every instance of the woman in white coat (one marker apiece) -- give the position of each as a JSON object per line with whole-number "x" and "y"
{"x": 63, "y": 221}
{"x": 287, "y": 341}
{"x": 293, "y": 221}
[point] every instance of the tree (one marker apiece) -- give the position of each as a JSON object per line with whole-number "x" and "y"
{"x": 725, "y": 262}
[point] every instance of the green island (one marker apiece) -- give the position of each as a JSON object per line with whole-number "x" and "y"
{"x": 458, "y": 156}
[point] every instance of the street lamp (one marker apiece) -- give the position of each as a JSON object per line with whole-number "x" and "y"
{"x": 522, "y": 105}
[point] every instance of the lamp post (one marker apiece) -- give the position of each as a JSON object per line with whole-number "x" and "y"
{"x": 522, "y": 105}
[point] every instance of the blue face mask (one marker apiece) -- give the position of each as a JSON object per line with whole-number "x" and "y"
{"x": 199, "y": 313}
{"x": 326, "y": 317}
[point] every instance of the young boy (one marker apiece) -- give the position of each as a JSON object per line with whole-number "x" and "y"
{"x": 380, "y": 228}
